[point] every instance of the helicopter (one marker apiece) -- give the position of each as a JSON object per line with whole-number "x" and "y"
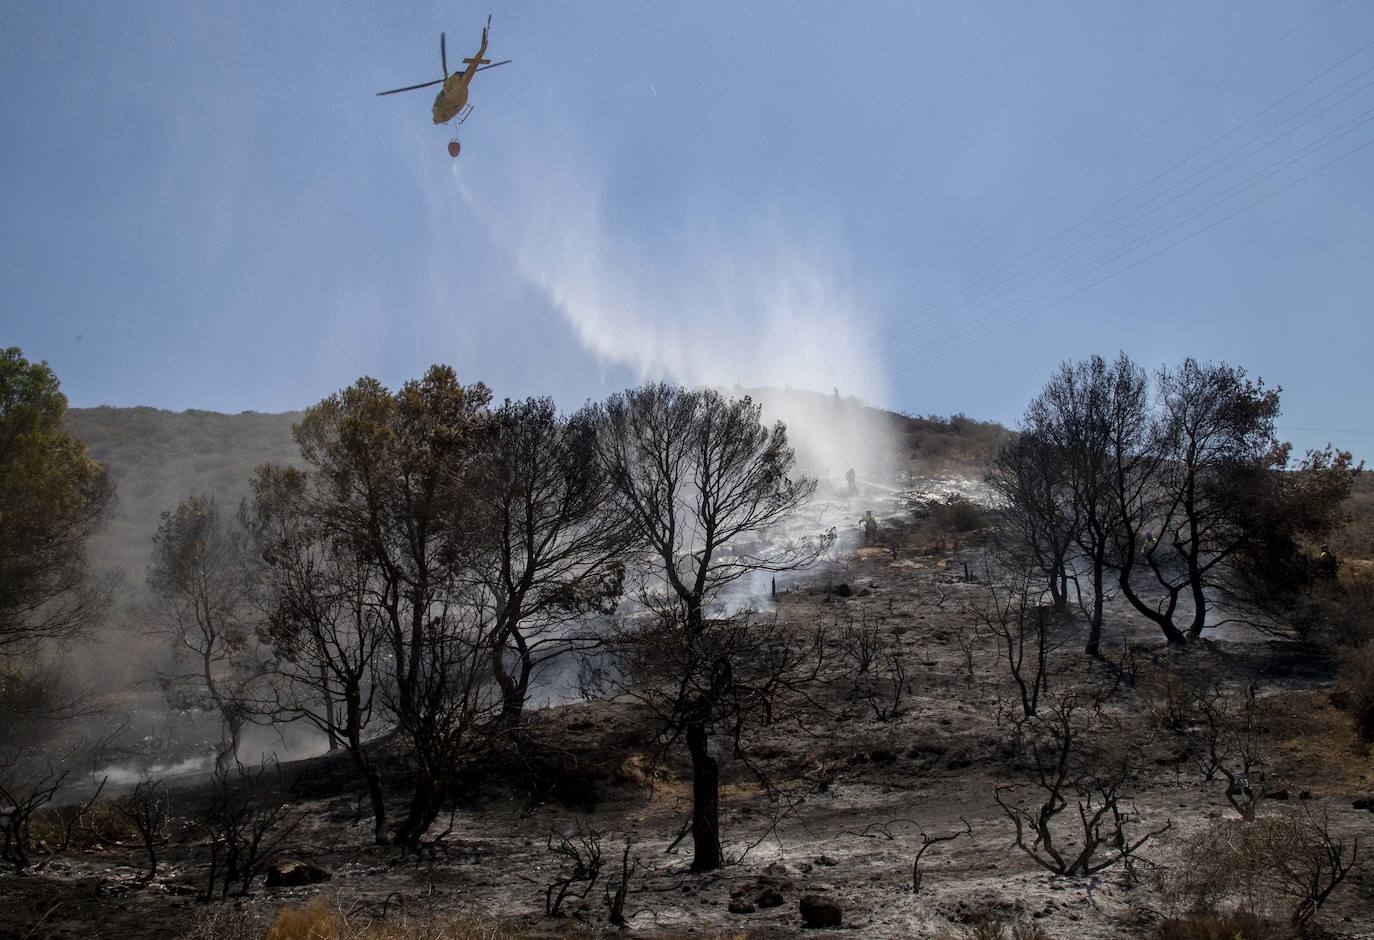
{"x": 452, "y": 100}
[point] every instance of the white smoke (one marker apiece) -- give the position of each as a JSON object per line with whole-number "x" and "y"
{"x": 758, "y": 300}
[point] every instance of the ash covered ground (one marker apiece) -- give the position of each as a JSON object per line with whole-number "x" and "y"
{"x": 851, "y": 790}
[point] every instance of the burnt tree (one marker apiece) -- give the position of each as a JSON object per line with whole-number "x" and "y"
{"x": 322, "y": 618}
{"x": 700, "y": 475}
{"x": 551, "y": 538}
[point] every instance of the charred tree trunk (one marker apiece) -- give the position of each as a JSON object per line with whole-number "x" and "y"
{"x": 1095, "y": 623}
{"x": 705, "y": 800}
{"x": 1059, "y": 583}
{"x": 1196, "y": 584}
{"x": 229, "y": 751}
{"x": 370, "y": 774}
{"x": 512, "y": 695}
{"x": 1164, "y": 621}
{"x": 327, "y": 704}
{"x": 513, "y": 678}
{"x": 424, "y": 807}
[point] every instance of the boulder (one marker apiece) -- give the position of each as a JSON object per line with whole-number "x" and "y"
{"x": 741, "y": 906}
{"x": 817, "y": 911}
{"x": 293, "y": 874}
{"x": 770, "y": 897}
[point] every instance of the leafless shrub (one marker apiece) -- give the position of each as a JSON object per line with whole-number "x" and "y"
{"x": 22, "y": 796}
{"x": 1128, "y": 666}
{"x": 1281, "y": 864}
{"x": 861, "y": 643}
{"x": 928, "y": 840}
{"x": 966, "y": 636}
{"x": 940, "y": 592}
{"x": 1234, "y": 748}
{"x": 247, "y": 820}
{"x": 1022, "y": 628}
{"x": 147, "y": 809}
{"x": 1171, "y": 702}
{"x": 580, "y": 852}
{"x": 82, "y": 826}
{"x": 1076, "y": 757}
{"x": 821, "y": 775}
{"x": 889, "y": 687}
{"x": 618, "y": 890}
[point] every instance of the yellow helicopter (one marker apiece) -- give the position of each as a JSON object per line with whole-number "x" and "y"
{"x": 452, "y": 100}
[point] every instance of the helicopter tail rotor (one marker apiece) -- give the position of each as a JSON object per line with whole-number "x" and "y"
{"x": 443, "y": 55}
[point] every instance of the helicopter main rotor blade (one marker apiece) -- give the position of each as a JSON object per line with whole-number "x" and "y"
{"x": 495, "y": 64}
{"x": 394, "y": 91}
{"x": 443, "y": 54}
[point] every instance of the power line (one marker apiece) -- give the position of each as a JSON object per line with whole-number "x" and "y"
{"x": 1116, "y": 153}
{"x": 924, "y": 313}
{"x": 1325, "y": 430}
{"x": 1151, "y": 235}
{"x": 1135, "y": 264}
{"x": 1088, "y": 269}
{"x": 1088, "y": 242}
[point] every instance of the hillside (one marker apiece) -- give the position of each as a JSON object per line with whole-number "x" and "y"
{"x": 156, "y": 458}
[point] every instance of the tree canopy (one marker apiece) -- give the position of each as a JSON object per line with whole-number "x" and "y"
{"x": 52, "y": 498}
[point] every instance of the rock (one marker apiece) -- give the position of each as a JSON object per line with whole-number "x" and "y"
{"x": 827, "y": 861}
{"x": 1276, "y": 795}
{"x": 842, "y": 590}
{"x": 293, "y": 874}
{"x": 817, "y": 911}
{"x": 741, "y": 906}
{"x": 1366, "y": 803}
{"x": 770, "y": 897}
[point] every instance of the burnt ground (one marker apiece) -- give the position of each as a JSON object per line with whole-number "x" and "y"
{"x": 856, "y": 792}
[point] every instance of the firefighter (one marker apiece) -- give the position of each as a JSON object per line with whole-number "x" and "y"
{"x": 849, "y": 478}
{"x": 1327, "y": 564}
{"x": 870, "y": 525}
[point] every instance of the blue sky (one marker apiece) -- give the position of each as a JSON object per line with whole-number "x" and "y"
{"x": 206, "y": 206}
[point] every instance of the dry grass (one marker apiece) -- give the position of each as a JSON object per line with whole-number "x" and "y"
{"x": 1232, "y": 926}
{"x": 994, "y": 927}
{"x": 323, "y": 919}
{"x": 101, "y": 824}
{"x": 1356, "y": 538}
{"x": 1355, "y": 689}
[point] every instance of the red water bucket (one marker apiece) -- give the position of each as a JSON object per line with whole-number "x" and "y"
{"x": 453, "y": 148}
